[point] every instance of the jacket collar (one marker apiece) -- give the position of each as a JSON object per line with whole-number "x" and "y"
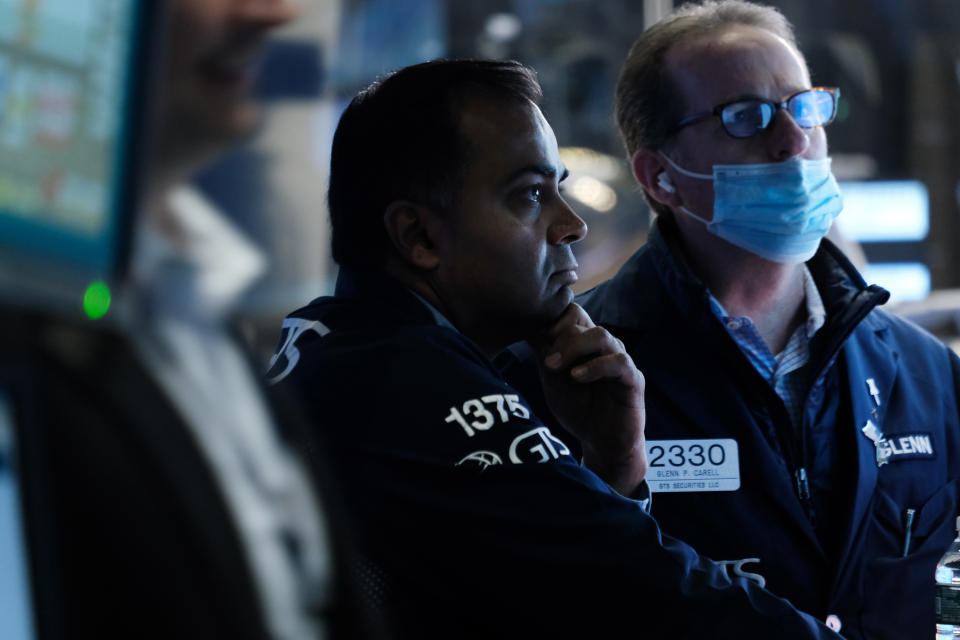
{"x": 846, "y": 297}
{"x": 374, "y": 288}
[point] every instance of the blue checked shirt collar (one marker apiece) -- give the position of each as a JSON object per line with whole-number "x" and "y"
{"x": 781, "y": 370}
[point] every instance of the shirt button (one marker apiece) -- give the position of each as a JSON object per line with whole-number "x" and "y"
{"x": 733, "y": 325}
{"x": 833, "y": 622}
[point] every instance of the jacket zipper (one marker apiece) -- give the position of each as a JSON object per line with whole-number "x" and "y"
{"x": 873, "y": 299}
{"x": 906, "y": 536}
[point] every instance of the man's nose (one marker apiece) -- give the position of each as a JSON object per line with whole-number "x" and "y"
{"x": 786, "y": 138}
{"x": 567, "y": 228}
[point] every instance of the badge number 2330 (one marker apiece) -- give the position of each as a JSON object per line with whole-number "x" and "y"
{"x": 676, "y": 455}
{"x": 693, "y": 465}
{"x": 479, "y": 414}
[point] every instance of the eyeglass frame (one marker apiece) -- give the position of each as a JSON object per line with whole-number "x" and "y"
{"x": 834, "y": 92}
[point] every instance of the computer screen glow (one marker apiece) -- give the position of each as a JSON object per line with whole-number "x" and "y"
{"x": 885, "y": 211}
{"x": 64, "y": 73}
{"x": 906, "y": 281}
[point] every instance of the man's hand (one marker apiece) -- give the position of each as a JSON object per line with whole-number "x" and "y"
{"x": 596, "y": 392}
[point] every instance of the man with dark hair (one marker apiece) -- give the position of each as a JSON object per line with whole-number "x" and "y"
{"x": 833, "y": 426}
{"x": 473, "y": 518}
{"x": 420, "y": 152}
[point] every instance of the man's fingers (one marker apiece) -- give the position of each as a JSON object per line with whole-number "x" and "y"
{"x": 614, "y": 366}
{"x": 574, "y": 316}
{"x": 579, "y": 343}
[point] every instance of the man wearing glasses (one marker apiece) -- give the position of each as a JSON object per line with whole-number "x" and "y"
{"x": 794, "y": 430}
{"x": 471, "y": 519}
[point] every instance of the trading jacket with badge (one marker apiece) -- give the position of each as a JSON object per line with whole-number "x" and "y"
{"x": 473, "y": 518}
{"x": 865, "y": 365}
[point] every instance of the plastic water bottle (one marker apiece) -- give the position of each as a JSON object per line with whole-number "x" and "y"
{"x": 948, "y": 591}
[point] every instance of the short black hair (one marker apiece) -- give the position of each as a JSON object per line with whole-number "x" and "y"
{"x": 400, "y": 139}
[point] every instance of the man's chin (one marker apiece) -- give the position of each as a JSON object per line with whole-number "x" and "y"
{"x": 190, "y": 133}
{"x": 554, "y": 307}
{"x": 535, "y": 321}
{"x": 561, "y": 301}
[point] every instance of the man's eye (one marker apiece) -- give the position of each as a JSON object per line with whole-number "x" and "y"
{"x": 534, "y": 192}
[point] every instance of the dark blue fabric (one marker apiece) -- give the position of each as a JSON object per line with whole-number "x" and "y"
{"x": 841, "y": 553}
{"x": 464, "y": 546}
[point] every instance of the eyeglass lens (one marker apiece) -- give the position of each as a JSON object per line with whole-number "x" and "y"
{"x": 808, "y": 108}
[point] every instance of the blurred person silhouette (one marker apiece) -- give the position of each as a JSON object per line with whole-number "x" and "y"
{"x": 472, "y": 518}
{"x": 189, "y": 266}
{"x": 181, "y": 506}
{"x": 757, "y": 335}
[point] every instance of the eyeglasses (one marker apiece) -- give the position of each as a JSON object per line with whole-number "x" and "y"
{"x": 809, "y": 108}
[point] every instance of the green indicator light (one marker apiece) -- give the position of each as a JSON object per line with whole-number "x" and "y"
{"x": 96, "y": 300}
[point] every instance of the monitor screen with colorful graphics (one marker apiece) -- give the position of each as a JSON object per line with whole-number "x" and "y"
{"x": 73, "y": 77}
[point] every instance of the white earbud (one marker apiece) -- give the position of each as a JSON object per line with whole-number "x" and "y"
{"x": 665, "y": 182}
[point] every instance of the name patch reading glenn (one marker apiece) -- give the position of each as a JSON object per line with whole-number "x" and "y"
{"x": 908, "y": 446}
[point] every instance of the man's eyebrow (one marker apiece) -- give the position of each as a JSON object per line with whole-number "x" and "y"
{"x": 737, "y": 98}
{"x": 545, "y": 170}
{"x": 754, "y": 96}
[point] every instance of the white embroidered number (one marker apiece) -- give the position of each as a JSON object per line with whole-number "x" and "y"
{"x": 475, "y": 408}
{"x": 499, "y": 402}
{"x": 504, "y": 405}
{"x": 517, "y": 409}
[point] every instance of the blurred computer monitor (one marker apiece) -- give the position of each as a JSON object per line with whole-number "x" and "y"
{"x": 73, "y": 112}
{"x": 74, "y": 83}
{"x": 890, "y": 220}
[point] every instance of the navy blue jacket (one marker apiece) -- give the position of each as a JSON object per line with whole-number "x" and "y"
{"x": 473, "y": 518}
{"x": 844, "y": 555}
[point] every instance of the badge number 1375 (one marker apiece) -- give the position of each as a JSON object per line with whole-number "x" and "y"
{"x": 693, "y": 465}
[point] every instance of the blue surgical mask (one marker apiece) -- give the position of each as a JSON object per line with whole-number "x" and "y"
{"x": 779, "y": 211}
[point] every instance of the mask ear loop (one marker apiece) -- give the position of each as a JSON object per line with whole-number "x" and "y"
{"x": 686, "y": 172}
{"x": 664, "y": 180}
{"x": 694, "y": 216}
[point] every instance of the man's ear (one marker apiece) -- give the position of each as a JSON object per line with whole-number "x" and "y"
{"x": 650, "y": 171}
{"x": 412, "y": 229}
